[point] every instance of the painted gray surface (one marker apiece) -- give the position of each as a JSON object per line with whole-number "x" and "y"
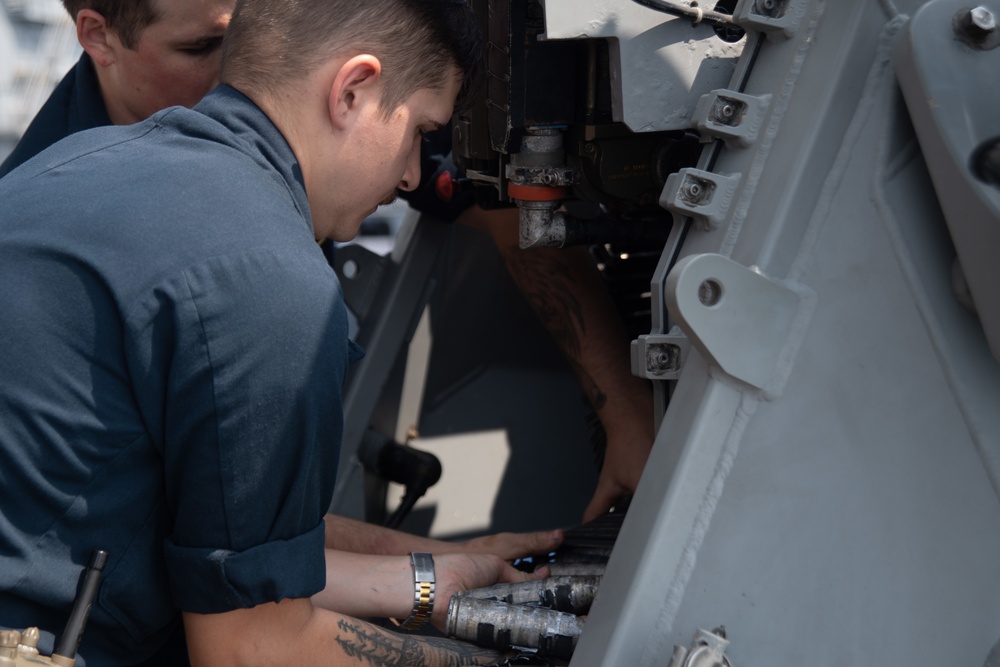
{"x": 663, "y": 63}
{"x": 851, "y": 517}
{"x": 948, "y": 75}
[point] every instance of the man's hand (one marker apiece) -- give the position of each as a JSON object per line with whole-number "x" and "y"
{"x": 463, "y": 572}
{"x": 624, "y": 461}
{"x": 362, "y": 585}
{"x": 511, "y": 546}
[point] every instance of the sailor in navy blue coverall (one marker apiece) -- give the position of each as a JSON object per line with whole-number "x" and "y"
{"x": 208, "y": 486}
{"x": 174, "y": 60}
{"x": 173, "y": 344}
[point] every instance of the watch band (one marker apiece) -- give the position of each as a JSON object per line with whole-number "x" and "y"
{"x": 423, "y": 590}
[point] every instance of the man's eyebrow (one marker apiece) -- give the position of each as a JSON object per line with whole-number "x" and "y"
{"x": 199, "y": 42}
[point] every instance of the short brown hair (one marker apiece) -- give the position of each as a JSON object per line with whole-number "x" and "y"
{"x": 128, "y": 18}
{"x": 270, "y": 43}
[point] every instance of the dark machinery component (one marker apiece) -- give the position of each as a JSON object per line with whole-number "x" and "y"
{"x": 586, "y": 548}
{"x": 541, "y": 152}
{"x": 414, "y": 469}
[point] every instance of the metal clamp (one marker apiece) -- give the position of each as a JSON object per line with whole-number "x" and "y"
{"x": 702, "y": 195}
{"x": 660, "y": 356}
{"x": 733, "y": 117}
{"x": 774, "y": 17}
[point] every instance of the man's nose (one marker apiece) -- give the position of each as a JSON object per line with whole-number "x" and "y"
{"x": 411, "y": 177}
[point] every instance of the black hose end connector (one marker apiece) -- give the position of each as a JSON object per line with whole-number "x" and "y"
{"x": 415, "y": 469}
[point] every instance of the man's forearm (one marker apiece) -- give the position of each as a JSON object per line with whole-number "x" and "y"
{"x": 374, "y": 646}
{"x": 367, "y": 586}
{"x": 345, "y": 534}
{"x": 568, "y": 294}
{"x": 295, "y": 633}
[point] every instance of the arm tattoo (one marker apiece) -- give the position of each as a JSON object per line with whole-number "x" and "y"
{"x": 548, "y": 287}
{"x": 382, "y": 648}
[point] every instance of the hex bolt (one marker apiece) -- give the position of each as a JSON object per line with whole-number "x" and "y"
{"x": 983, "y": 19}
{"x": 696, "y": 191}
{"x": 661, "y": 359}
{"x": 767, "y": 7}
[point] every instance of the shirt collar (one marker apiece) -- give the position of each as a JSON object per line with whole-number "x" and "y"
{"x": 250, "y": 124}
{"x": 86, "y": 108}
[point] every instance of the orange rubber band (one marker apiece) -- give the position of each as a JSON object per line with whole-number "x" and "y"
{"x": 535, "y": 192}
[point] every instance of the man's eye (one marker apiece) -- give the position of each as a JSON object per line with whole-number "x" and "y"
{"x": 202, "y": 48}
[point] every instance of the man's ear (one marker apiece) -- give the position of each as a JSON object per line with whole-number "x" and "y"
{"x": 355, "y": 84}
{"x": 96, "y": 37}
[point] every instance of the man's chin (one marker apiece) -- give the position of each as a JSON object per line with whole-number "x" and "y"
{"x": 350, "y": 232}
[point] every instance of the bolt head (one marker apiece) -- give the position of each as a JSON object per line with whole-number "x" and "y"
{"x": 983, "y": 19}
{"x": 766, "y": 6}
{"x": 661, "y": 359}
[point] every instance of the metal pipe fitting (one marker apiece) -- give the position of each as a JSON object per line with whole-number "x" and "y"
{"x": 503, "y": 626}
{"x": 540, "y": 226}
{"x": 571, "y": 594}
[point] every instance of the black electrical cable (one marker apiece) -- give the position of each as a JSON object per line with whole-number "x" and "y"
{"x": 693, "y": 12}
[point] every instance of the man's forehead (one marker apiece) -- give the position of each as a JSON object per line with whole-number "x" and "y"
{"x": 204, "y": 15}
{"x": 437, "y": 104}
